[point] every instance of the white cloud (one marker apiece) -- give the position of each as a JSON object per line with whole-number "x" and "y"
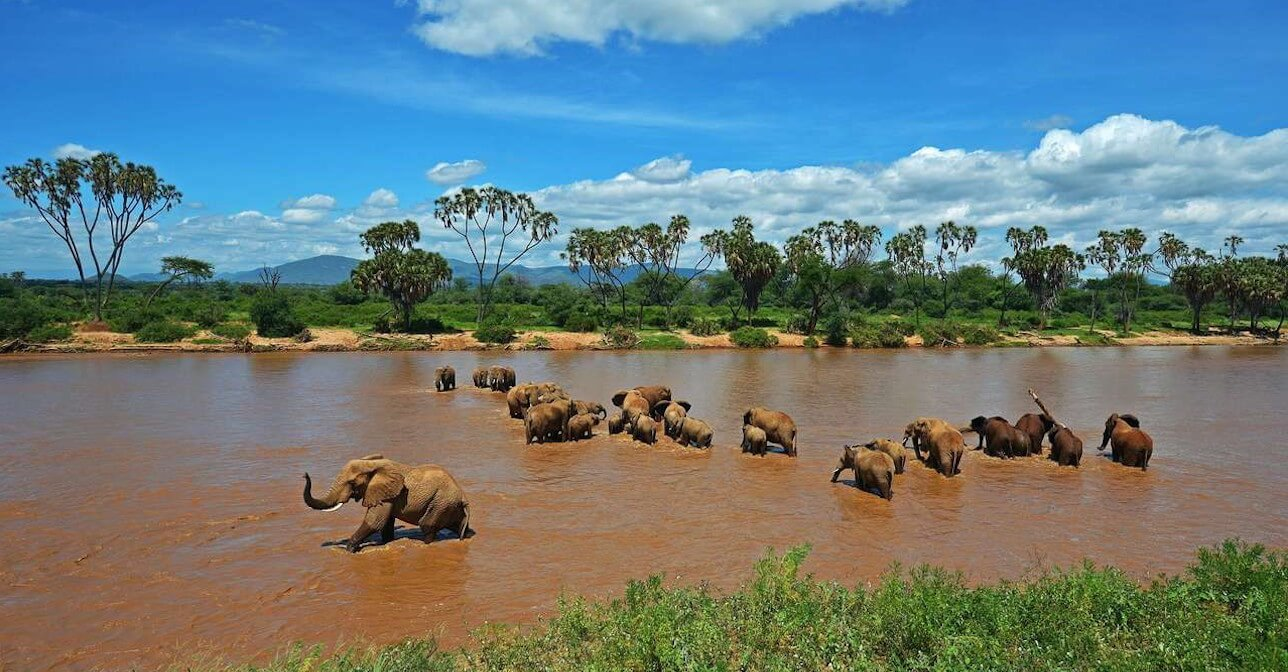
{"x": 72, "y": 150}
{"x": 316, "y": 201}
{"x": 444, "y": 173}
{"x": 665, "y": 169}
{"x": 308, "y": 209}
{"x": 381, "y": 198}
{"x": 485, "y": 27}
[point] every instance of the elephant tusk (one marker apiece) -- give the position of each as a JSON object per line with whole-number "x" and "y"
{"x": 334, "y": 508}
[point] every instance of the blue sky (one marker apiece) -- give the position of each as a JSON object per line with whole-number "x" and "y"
{"x": 788, "y": 110}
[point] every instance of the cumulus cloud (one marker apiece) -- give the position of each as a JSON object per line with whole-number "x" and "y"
{"x": 308, "y": 209}
{"x": 445, "y": 174}
{"x": 665, "y": 169}
{"x": 381, "y": 198}
{"x": 72, "y": 150}
{"x": 485, "y": 27}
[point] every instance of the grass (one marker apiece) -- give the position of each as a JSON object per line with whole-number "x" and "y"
{"x": 661, "y": 341}
{"x": 1228, "y": 611}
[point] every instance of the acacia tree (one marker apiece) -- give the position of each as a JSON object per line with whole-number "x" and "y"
{"x": 77, "y": 198}
{"x": 489, "y": 220}
{"x": 1045, "y": 270}
{"x": 181, "y": 268}
{"x": 907, "y": 252}
{"x": 752, "y": 263}
{"x": 602, "y": 255}
{"x": 404, "y": 274}
{"x": 657, "y": 251}
{"x": 1229, "y": 274}
{"x": 951, "y": 241}
{"x": 819, "y": 255}
{"x": 1021, "y": 241}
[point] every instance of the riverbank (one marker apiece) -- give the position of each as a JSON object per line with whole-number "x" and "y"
{"x": 334, "y": 339}
{"x": 1228, "y": 611}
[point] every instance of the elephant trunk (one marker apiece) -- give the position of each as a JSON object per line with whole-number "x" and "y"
{"x": 1105, "y": 440}
{"x": 329, "y": 502}
{"x": 603, "y": 412}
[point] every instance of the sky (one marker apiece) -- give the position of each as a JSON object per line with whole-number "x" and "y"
{"x": 291, "y": 126}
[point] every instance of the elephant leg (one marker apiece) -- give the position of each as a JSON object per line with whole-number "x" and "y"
{"x": 387, "y": 530}
{"x": 376, "y": 519}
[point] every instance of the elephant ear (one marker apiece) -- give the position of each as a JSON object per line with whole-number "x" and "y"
{"x": 687, "y": 406}
{"x": 385, "y": 484}
{"x": 619, "y": 397}
{"x": 1130, "y": 419}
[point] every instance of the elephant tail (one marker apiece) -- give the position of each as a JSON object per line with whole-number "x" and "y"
{"x": 465, "y": 520}
{"x": 957, "y": 464}
{"x": 889, "y": 488}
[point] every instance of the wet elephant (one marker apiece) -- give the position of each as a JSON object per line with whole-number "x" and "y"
{"x": 779, "y": 427}
{"x": 444, "y": 378}
{"x": 694, "y": 432}
{"x": 873, "y": 470}
{"x": 754, "y": 440}
{"x": 1130, "y": 445}
{"x": 942, "y": 442}
{"x": 1066, "y": 447}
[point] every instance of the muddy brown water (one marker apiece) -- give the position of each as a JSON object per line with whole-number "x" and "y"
{"x": 150, "y": 505}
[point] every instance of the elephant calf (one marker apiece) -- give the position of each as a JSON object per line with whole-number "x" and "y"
{"x": 1131, "y": 446}
{"x": 895, "y": 450}
{"x": 873, "y": 470}
{"x": 480, "y": 376}
{"x": 753, "y": 440}
{"x": 670, "y": 413}
{"x": 693, "y": 432}
{"x": 582, "y": 426}
{"x": 644, "y": 430}
{"x": 632, "y": 403}
{"x": 778, "y": 426}
{"x": 1066, "y": 447}
{"x": 444, "y": 378}
{"x": 426, "y": 496}
{"x": 616, "y": 425}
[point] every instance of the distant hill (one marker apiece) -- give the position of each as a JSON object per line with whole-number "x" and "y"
{"x": 329, "y": 269}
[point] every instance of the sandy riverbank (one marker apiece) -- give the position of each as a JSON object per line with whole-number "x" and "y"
{"x": 324, "y": 339}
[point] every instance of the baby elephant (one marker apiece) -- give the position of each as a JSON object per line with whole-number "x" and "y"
{"x": 873, "y": 470}
{"x": 754, "y": 440}
{"x": 1066, "y": 447}
{"x": 644, "y": 430}
{"x": 616, "y": 424}
{"x": 444, "y": 378}
{"x": 895, "y": 450}
{"x": 582, "y": 426}
{"x": 693, "y": 432}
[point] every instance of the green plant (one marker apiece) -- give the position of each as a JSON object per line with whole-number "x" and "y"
{"x": 49, "y": 333}
{"x": 209, "y": 314}
{"x": 538, "y": 342}
{"x": 838, "y": 326}
{"x": 163, "y": 332}
{"x": 979, "y": 334}
{"x": 131, "y": 319}
{"x": 620, "y": 337}
{"x": 233, "y": 331}
{"x": 810, "y": 342}
{"x": 705, "y": 326}
{"x": 886, "y": 335}
{"x": 272, "y": 313}
{"x": 939, "y": 334}
{"x": 582, "y": 322}
{"x": 494, "y": 333}
{"x": 753, "y": 337}
{"x": 662, "y": 342}
{"x": 20, "y": 316}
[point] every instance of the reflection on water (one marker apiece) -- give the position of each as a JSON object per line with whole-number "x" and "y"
{"x": 152, "y": 503}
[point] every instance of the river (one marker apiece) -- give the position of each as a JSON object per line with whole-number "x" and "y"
{"x": 150, "y": 505}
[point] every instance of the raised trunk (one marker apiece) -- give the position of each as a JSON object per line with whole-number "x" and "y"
{"x": 329, "y": 502}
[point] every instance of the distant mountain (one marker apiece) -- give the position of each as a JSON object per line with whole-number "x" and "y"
{"x": 329, "y": 269}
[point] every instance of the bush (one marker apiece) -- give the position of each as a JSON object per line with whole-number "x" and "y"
{"x": 494, "y": 333}
{"x": 883, "y": 336}
{"x": 938, "y": 334}
{"x": 538, "y": 342}
{"x": 662, "y": 342}
{"x": 209, "y": 314}
{"x": 163, "y": 331}
{"x": 620, "y": 337}
{"x": 49, "y": 333}
{"x": 705, "y": 326}
{"x": 979, "y": 334}
{"x": 810, "y": 342}
{"x": 233, "y": 331}
{"x": 21, "y": 316}
{"x": 131, "y": 319}
{"x": 346, "y": 294}
{"x": 682, "y": 316}
{"x": 273, "y": 315}
{"x": 796, "y": 324}
{"x": 583, "y": 322}
{"x": 753, "y": 337}
{"x": 838, "y": 326}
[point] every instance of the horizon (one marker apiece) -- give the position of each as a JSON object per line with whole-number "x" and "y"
{"x": 291, "y": 128}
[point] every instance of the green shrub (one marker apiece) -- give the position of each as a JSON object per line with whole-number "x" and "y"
{"x": 682, "y": 316}
{"x": 538, "y": 342}
{"x": 209, "y": 314}
{"x": 810, "y": 342}
{"x": 21, "y": 316}
{"x": 164, "y": 331}
{"x": 273, "y": 315}
{"x": 705, "y": 326}
{"x": 938, "y": 334}
{"x": 233, "y": 331}
{"x": 979, "y": 334}
{"x": 662, "y": 342}
{"x": 620, "y": 337}
{"x": 494, "y": 333}
{"x": 133, "y": 318}
{"x": 838, "y": 327}
{"x": 796, "y": 324}
{"x": 345, "y": 294}
{"x": 582, "y": 322}
{"x": 49, "y": 333}
{"x": 753, "y": 337}
{"x": 886, "y": 335}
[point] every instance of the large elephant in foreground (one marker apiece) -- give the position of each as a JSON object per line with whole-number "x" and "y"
{"x": 943, "y": 443}
{"x": 873, "y": 470}
{"x": 779, "y": 427}
{"x": 1131, "y": 446}
{"x": 426, "y": 496}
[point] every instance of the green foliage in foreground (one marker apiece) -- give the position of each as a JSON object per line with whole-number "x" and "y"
{"x": 1229, "y": 611}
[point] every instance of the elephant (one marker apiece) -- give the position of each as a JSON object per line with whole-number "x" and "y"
{"x": 1066, "y": 447}
{"x": 644, "y": 430}
{"x": 547, "y": 421}
{"x": 591, "y": 407}
{"x": 670, "y": 413}
{"x": 480, "y": 377}
{"x": 693, "y": 432}
{"x": 943, "y": 443}
{"x": 500, "y": 378}
{"x": 444, "y": 378}
{"x": 426, "y": 496}
{"x": 616, "y": 424}
{"x": 754, "y": 440}
{"x": 1001, "y": 439}
{"x": 582, "y": 426}
{"x": 519, "y": 399}
{"x": 892, "y": 448}
{"x": 873, "y": 470}
{"x": 654, "y": 393}
{"x": 1131, "y": 446}
{"x": 1036, "y": 426}
{"x": 779, "y": 427}
{"x": 633, "y": 404}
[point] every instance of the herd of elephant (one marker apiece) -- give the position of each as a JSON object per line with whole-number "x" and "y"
{"x": 428, "y": 497}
